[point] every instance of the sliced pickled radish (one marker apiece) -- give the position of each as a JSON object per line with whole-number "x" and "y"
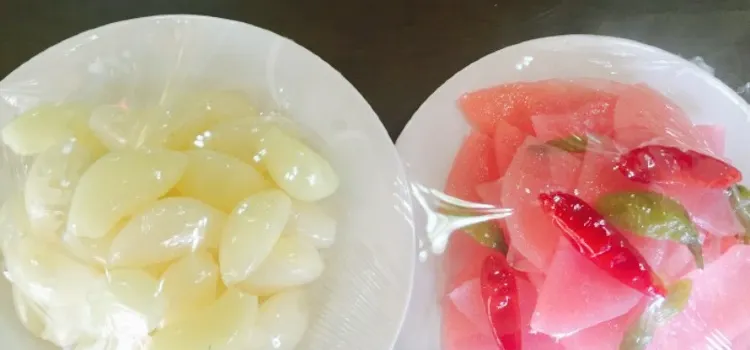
{"x": 282, "y": 321}
{"x": 42, "y": 127}
{"x": 312, "y": 222}
{"x": 166, "y": 230}
{"x": 139, "y": 299}
{"x": 29, "y": 313}
{"x": 190, "y": 285}
{"x": 50, "y": 185}
{"x": 296, "y": 168}
{"x": 220, "y": 180}
{"x": 251, "y": 232}
{"x": 118, "y": 185}
{"x": 224, "y": 325}
{"x": 119, "y": 127}
{"x": 293, "y": 262}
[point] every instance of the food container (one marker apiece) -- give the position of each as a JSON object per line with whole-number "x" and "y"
{"x": 360, "y": 301}
{"x": 439, "y": 127}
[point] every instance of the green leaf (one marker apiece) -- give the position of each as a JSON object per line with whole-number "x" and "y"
{"x": 652, "y": 215}
{"x": 572, "y": 143}
{"x": 739, "y": 197}
{"x": 657, "y": 314}
{"x": 486, "y": 233}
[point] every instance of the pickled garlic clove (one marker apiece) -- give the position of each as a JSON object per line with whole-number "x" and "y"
{"x": 119, "y": 184}
{"x": 44, "y": 126}
{"x": 297, "y": 169}
{"x": 35, "y": 267}
{"x": 310, "y": 221}
{"x": 282, "y": 321}
{"x": 224, "y": 325}
{"x": 198, "y": 112}
{"x": 119, "y": 127}
{"x": 189, "y": 285}
{"x": 293, "y": 262}
{"x": 93, "y": 251}
{"x": 231, "y": 104}
{"x": 251, "y": 232}
{"x": 166, "y": 230}
{"x": 29, "y": 313}
{"x": 138, "y": 304}
{"x": 56, "y": 283}
{"x": 14, "y": 221}
{"x": 50, "y": 184}
{"x": 220, "y": 180}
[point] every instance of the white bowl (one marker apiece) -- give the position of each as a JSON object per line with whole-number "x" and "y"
{"x": 438, "y": 127}
{"x": 361, "y": 300}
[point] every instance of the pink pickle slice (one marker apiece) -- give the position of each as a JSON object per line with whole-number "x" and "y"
{"x": 535, "y": 168}
{"x": 507, "y": 139}
{"x": 459, "y": 333}
{"x": 474, "y": 164}
{"x": 516, "y": 103}
{"x": 643, "y": 114}
{"x": 708, "y": 208}
{"x": 577, "y": 295}
{"x": 598, "y": 175}
{"x": 714, "y": 136}
{"x": 463, "y": 259}
{"x": 467, "y": 298}
{"x": 718, "y": 307}
{"x": 592, "y": 118}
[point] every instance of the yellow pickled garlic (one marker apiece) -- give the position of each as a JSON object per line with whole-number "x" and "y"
{"x": 293, "y": 262}
{"x": 50, "y": 184}
{"x": 30, "y": 314}
{"x": 44, "y": 126}
{"x": 190, "y": 285}
{"x": 220, "y": 180}
{"x": 199, "y": 112}
{"x": 56, "y": 283}
{"x": 166, "y": 230}
{"x": 310, "y": 221}
{"x": 297, "y": 169}
{"x": 14, "y": 221}
{"x": 226, "y": 324}
{"x": 251, "y": 232}
{"x": 119, "y": 127}
{"x": 239, "y": 138}
{"x": 282, "y": 321}
{"x": 118, "y": 185}
{"x": 139, "y": 300}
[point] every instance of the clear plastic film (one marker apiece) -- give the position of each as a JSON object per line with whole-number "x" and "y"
{"x": 195, "y": 183}
{"x": 581, "y": 193}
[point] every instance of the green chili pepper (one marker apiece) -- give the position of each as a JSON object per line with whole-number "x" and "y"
{"x": 658, "y": 313}
{"x": 652, "y": 215}
{"x": 572, "y": 143}
{"x": 739, "y": 197}
{"x": 485, "y": 233}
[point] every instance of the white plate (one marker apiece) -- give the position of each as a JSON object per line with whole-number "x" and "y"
{"x": 431, "y": 138}
{"x": 361, "y": 300}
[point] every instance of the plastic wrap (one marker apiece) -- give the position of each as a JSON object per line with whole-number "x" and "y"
{"x": 186, "y": 182}
{"x": 581, "y": 192}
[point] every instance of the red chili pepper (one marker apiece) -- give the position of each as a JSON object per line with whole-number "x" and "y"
{"x": 660, "y": 164}
{"x": 500, "y": 295}
{"x": 601, "y": 242}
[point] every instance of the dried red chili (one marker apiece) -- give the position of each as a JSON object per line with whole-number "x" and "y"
{"x": 665, "y": 164}
{"x": 500, "y": 295}
{"x": 601, "y": 242}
